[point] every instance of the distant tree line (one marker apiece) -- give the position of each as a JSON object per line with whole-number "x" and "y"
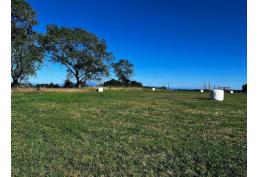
{"x": 160, "y": 88}
{"x": 84, "y": 55}
{"x": 117, "y": 83}
{"x": 51, "y": 85}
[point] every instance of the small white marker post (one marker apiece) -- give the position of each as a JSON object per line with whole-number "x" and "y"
{"x": 201, "y": 91}
{"x": 231, "y": 91}
{"x": 153, "y": 89}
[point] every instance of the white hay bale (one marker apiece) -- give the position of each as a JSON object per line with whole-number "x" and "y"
{"x": 100, "y": 89}
{"x": 217, "y": 95}
{"x": 153, "y": 89}
{"x": 201, "y": 91}
{"x": 231, "y": 91}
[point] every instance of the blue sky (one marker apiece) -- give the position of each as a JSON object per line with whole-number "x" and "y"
{"x": 183, "y": 43}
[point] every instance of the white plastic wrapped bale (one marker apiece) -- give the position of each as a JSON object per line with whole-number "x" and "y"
{"x": 201, "y": 91}
{"x": 217, "y": 95}
{"x": 231, "y": 91}
{"x": 153, "y": 89}
{"x": 100, "y": 89}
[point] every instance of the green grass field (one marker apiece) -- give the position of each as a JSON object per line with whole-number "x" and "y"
{"x": 128, "y": 133}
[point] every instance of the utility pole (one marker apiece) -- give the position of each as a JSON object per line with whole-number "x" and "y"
{"x": 209, "y": 85}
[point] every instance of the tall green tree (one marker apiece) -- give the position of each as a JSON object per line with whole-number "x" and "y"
{"x": 27, "y": 54}
{"x": 83, "y": 54}
{"x": 123, "y": 70}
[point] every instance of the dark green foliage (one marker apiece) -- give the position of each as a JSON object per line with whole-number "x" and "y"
{"x": 27, "y": 54}
{"x": 51, "y": 85}
{"x": 135, "y": 84}
{"x": 68, "y": 84}
{"x": 113, "y": 83}
{"x": 23, "y": 18}
{"x": 128, "y": 133}
{"x": 117, "y": 83}
{"x": 244, "y": 88}
{"x": 123, "y": 70}
{"x": 83, "y": 53}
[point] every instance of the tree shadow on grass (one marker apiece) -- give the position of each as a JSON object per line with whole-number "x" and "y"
{"x": 201, "y": 98}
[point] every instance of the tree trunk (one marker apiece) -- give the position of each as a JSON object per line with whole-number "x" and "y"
{"x": 78, "y": 83}
{"x": 16, "y": 82}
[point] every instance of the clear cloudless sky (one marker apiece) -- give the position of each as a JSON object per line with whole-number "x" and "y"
{"x": 183, "y": 43}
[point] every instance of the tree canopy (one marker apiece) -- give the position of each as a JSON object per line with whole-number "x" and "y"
{"x": 83, "y": 54}
{"x": 27, "y": 54}
{"x": 123, "y": 70}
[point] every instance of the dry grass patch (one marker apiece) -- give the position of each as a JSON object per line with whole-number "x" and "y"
{"x": 55, "y": 90}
